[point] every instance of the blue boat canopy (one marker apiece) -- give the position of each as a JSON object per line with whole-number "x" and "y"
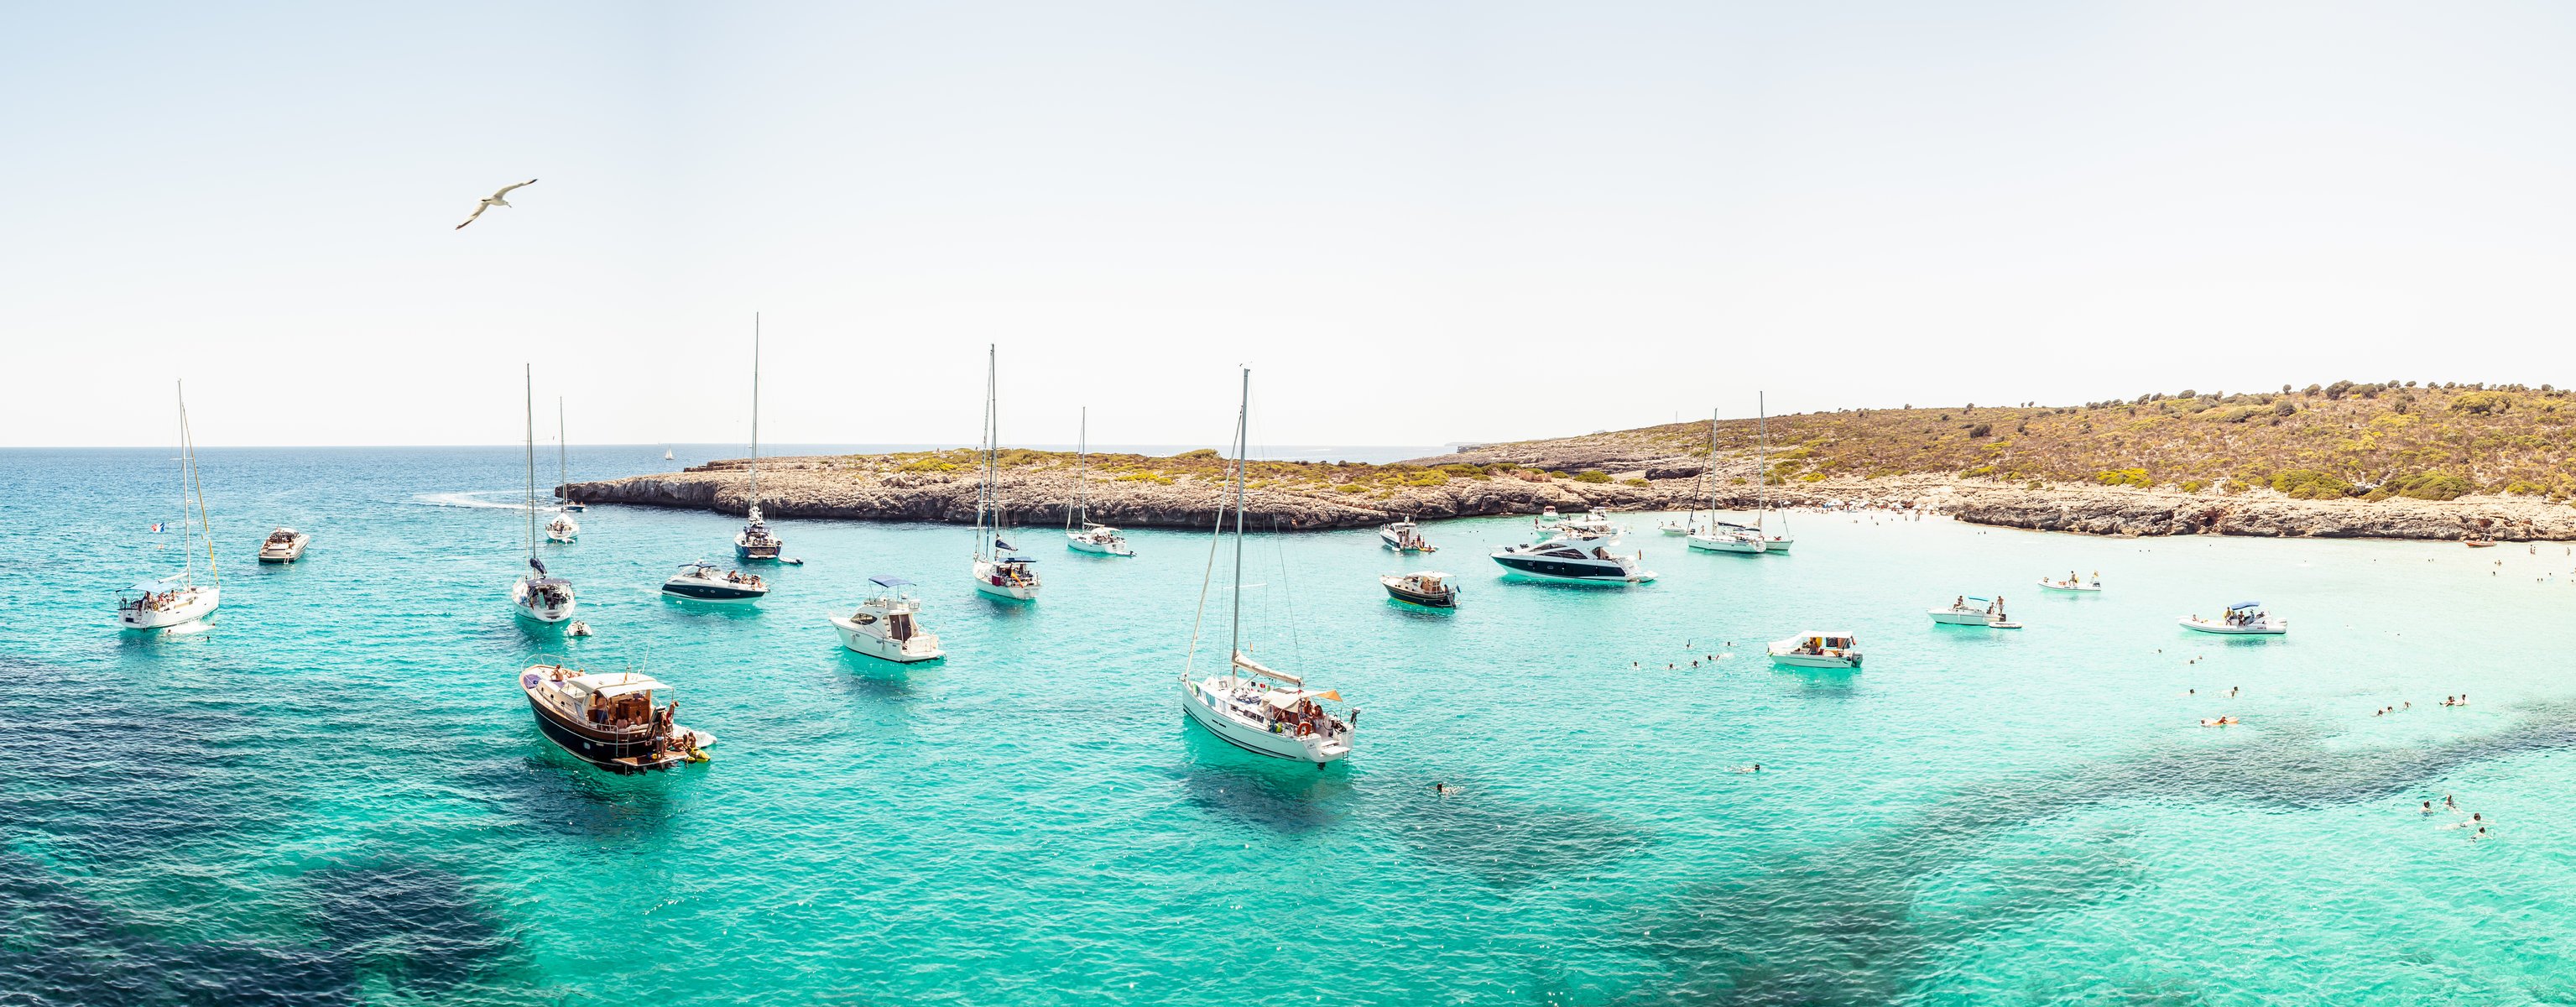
{"x": 889, "y": 582}
{"x": 2244, "y": 605}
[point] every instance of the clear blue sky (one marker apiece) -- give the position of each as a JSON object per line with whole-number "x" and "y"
{"x": 1417, "y": 222}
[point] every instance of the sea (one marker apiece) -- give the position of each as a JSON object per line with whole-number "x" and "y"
{"x": 334, "y": 792}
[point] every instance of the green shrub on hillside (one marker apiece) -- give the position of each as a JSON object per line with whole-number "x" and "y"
{"x": 2124, "y": 477}
{"x": 1592, "y": 476}
{"x": 2310, "y": 484}
{"x": 2431, "y": 486}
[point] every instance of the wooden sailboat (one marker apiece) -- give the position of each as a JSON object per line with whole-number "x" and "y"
{"x": 1250, "y": 705}
{"x": 170, "y": 602}
{"x": 1000, "y": 572}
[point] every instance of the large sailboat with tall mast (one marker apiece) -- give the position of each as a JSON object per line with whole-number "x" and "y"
{"x": 1000, "y": 571}
{"x": 1251, "y": 705}
{"x": 1700, "y": 488}
{"x": 1081, "y": 534}
{"x": 563, "y": 528}
{"x": 755, "y": 541}
{"x": 1756, "y": 538}
{"x": 537, "y": 594}
{"x": 178, "y": 600}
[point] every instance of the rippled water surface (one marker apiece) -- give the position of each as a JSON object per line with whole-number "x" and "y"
{"x": 337, "y": 795}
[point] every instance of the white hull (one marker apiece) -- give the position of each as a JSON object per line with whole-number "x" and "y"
{"x": 1012, "y": 592}
{"x": 857, "y": 639}
{"x": 1780, "y": 544}
{"x": 538, "y": 613}
{"x": 1813, "y": 661}
{"x": 561, "y": 537}
{"x": 288, "y": 552}
{"x": 1949, "y": 617}
{"x": 1201, "y": 704}
{"x": 1676, "y": 529}
{"x": 2071, "y": 587}
{"x": 1609, "y": 579}
{"x": 1076, "y": 542}
{"x": 1729, "y": 543}
{"x": 2268, "y": 627}
{"x": 194, "y": 603}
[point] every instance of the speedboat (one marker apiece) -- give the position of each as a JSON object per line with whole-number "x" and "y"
{"x": 2073, "y": 584}
{"x": 887, "y": 626}
{"x": 1259, "y": 710}
{"x": 704, "y": 581}
{"x": 609, "y": 719}
{"x": 574, "y": 507}
{"x": 1574, "y": 558}
{"x": 755, "y": 541}
{"x": 1404, "y": 536}
{"x": 1099, "y": 540}
{"x": 1593, "y": 522}
{"x": 1547, "y": 515}
{"x": 562, "y": 529}
{"x": 285, "y": 545}
{"x": 1677, "y": 527}
{"x": 541, "y": 596}
{"x": 1814, "y": 649}
{"x": 160, "y": 604}
{"x": 2245, "y": 618}
{"x": 1007, "y": 576}
{"x": 1428, "y": 589}
{"x": 1969, "y": 610}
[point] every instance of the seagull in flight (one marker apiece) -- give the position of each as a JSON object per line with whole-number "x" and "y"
{"x": 495, "y": 199}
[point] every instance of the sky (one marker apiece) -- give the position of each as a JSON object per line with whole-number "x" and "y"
{"x": 1417, "y": 223}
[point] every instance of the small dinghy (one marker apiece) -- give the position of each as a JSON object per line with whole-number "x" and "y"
{"x": 1815, "y": 649}
{"x": 1428, "y": 589}
{"x": 1969, "y": 610}
{"x": 2072, "y": 583}
{"x": 2245, "y": 618}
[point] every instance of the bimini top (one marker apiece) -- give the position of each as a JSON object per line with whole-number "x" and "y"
{"x": 889, "y": 582}
{"x": 611, "y": 685}
{"x": 2243, "y": 605}
{"x": 1285, "y": 698}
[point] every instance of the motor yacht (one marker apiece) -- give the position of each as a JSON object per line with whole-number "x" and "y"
{"x": 1814, "y": 649}
{"x": 1594, "y": 522}
{"x": 1969, "y": 610}
{"x": 1428, "y": 589}
{"x": 1574, "y": 558}
{"x": 609, "y": 719}
{"x": 1249, "y": 705}
{"x": 705, "y": 581}
{"x": 2245, "y": 618}
{"x": 1404, "y": 536}
{"x": 285, "y": 545}
{"x": 888, "y": 626}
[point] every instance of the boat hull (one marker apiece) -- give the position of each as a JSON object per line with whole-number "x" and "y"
{"x": 200, "y": 604}
{"x": 1446, "y": 599}
{"x": 539, "y": 613}
{"x": 984, "y": 577}
{"x": 2051, "y": 585}
{"x": 1814, "y": 661}
{"x": 288, "y": 553}
{"x": 620, "y": 751}
{"x": 698, "y": 590}
{"x": 860, "y": 641}
{"x": 750, "y": 552}
{"x": 1563, "y": 572}
{"x": 1947, "y": 617}
{"x": 1738, "y": 546}
{"x": 2222, "y": 629}
{"x": 1079, "y": 544}
{"x": 1312, "y": 748}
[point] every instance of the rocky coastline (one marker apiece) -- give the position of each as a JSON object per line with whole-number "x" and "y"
{"x": 873, "y": 488}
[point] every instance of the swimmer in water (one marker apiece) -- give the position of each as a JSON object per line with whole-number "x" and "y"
{"x": 2481, "y": 834}
{"x": 2449, "y": 804}
{"x": 1442, "y": 788}
{"x": 1754, "y": 768}
{"x": 2428, "y": 807}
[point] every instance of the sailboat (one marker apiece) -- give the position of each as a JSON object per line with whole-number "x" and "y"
{"x": 1093, "y": 537}
{"x": 563, "y": 529}
{"x": 999, "y": 570}
{"x": 1250, "y": 705}
{"x": 179, "y": 600}
{"x": 666, "y": 454}
{"x": 755, "y": 541}
{"x": 563, "y": 465}
{"x": 537, "y": 594}
{"x": 1699, "y": 487}
{"x": 1756, "y": 538}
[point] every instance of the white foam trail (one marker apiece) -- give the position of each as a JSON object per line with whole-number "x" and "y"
{"x": 473, "y": 498}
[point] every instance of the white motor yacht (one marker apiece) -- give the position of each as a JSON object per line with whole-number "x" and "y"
{"x": 1815, "y": 649}
{"x": 1249, "y": 705}
{"x": 705, "y": 581}
{"x": 285, "y": 545}
{"x": 888, "y": 626}
{"x": 178, "y": 600}
{"x": 2245, "y": 618}
{"x": 1969, "y": 610}
{"x": 1595, "y": 522}
{"x": 999, "y": 571}
{"x": 1404, "y": 536}
{"x": 1574, "y": 558}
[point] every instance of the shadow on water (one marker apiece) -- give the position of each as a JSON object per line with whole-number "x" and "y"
{"x": 548, "y": 788}
{"x": 1499, "y": 839}
{"x": 1274, "y": 794}
{"x": 692, "y": 610}
{"x": 1838, "y": 926}
{"x": 877, "y": 678}
{"x": 1820, "y": 683}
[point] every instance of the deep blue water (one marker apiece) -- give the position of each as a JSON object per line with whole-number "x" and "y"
{"x": 336, "y": 794}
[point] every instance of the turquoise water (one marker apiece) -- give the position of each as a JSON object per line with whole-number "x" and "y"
{"x": 337, "y": 795}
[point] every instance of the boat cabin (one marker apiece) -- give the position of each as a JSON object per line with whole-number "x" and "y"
{"x": 618, "y": 701}
{"x": 1833, "y": 644}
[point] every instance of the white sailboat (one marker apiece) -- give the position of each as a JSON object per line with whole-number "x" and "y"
{"x": 1250, "y": 705}
{"x": 1098, "y": 539}
{"x": 1756, "y": 539}
{"x": 1699, "y": 488}
{"x": 999, "y": 570}
{"x": 755, "y": 541}
{"x": 563, "y": 529}
{"x": 537, "y": 594}
{"x": 179, "y": 600}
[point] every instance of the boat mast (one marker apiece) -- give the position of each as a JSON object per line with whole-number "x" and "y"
{"x": 532, "y": 463}
{"x": 563, "y": 465}
{"x": 755, "y": 412}
{"x": 1081, "y": 454}
{"x": 197, "y": 480}
{"x": 1706, "y": 469}
{"x": 984, "y": 491}
{"x": 1242, "y": 442}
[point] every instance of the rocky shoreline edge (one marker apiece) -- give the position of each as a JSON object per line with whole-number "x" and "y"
{"x": 868, "y": 488}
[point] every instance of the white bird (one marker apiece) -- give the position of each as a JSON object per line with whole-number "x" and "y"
{"x": 491, "y": 201}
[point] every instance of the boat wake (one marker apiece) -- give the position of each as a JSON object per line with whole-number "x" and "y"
{"x": 474, "y": 498}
